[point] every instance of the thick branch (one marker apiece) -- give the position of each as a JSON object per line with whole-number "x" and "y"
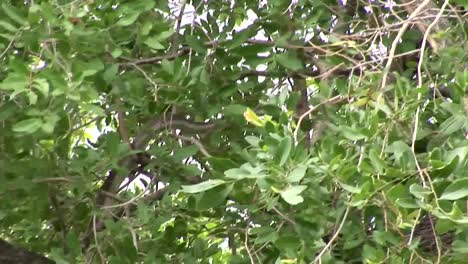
{"x": 10, "y": 254}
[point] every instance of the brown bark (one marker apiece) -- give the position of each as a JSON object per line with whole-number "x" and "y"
{"x": 10, "y": 254}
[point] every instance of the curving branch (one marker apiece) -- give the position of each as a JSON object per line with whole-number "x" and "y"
{"x": 107, "y": 195}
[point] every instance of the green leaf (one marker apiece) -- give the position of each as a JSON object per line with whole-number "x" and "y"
{"x": 146, "y": 28}
{"x": 32, "y": 96}
{"x": 202, "y": 186}
{"x": 384, "y": 237}
{"x": 221, "y": 164}
{"x": 456, "y": 190}
{"x": 460, "y": 247}
{"x": 289, "y": 60}
{"x": 92, "y": 67}
{"x": 196, "y": 44}
{"x": 214, "y": 197}
{"x": 28, "y": 126}
{"x": 185, "y": 152}
{"x": 399, "y": 148}
{"x": 42, "y": 86}
{"x": 112, "y": 143}
{"x": 236, "y": 109}
{"x": 153, "y": 42}
{"x": 253, "y": 140}
{"x": 49, "y": 123}
{"x": 350, "y": 188}
{"x": 168, "y": 66}
{"x": 14, "y": 82}
{"x": 283, "y": 150}
{"x": 418, "y": 191}
{"x": 165, "y": 35}
{"x": 266, "y": 238}
{"x": 8, "y": 26}
{"x": 261, "y": 230}
{"x": 376, "y": 161}
{"x": 446, "y": 169}
{"x": 352, "y": 133}
{"x": 48, "y": 127}
{"x": 297, "y": 174}
{"x": 407, "y": 202}
{"x": 93, "y": 109}
{"x": 288, "y": 242}
{"x": 246, "y": 171}
{"x": 453, "y": 124}
{"x": 240, "y": 37}
{"x": 7, "y": 110}
{"x": 373, "y": 255}
{"x": 110, "y": 73}
{"x": 128, "y": 19}
{"x": 291, "y": 194}
{"x": 12, "y": 13}
{"x": 117, "y": 52}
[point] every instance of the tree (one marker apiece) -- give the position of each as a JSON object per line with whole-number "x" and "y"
{"x": 234, "y": 131}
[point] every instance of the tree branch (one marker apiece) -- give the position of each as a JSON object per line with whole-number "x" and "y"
{"x": 156, "y": 59}
{"x": 10, "y": 254}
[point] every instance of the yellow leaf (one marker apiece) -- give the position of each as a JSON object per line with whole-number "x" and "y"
{"x": 252, "y": 117}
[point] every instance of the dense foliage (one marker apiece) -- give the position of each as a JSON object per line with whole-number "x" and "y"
{"x": 235, "y": 131}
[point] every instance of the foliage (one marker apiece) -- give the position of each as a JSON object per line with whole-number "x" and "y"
{"x": 164, "y": 132}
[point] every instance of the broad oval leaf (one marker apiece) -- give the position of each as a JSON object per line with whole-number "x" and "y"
{"x": 297, "y": 174}
{"x": 453, "y": 124}
{"x": 202, "y": 186}
{"x": 253, "y": 140}
{"x": 446, "y": 169}
{"x": 352, "y": 133}
{"x": 289, "y": 60}
{"x": 283, "y": 150}
{"x": 456, "y": 190}
{"x": 128, "y": 19}
{"x": 28, "y": 126}
{"x": 42, "y": 86}
{"x": 214, "y": 197}
{"x": 291, "y": 194}
{"x": 418, "y": 191}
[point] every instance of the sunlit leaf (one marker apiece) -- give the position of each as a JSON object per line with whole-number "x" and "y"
{"x": 202, "y": 186}
{"x": 296, "y": 174}
{"x": 291, "y": 194}
{"x": 456, "y": 190}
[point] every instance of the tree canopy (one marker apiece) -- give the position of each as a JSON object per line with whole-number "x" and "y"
{"x": 233, "y": 131}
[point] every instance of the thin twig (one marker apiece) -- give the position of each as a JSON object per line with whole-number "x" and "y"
{"x": 197, "y": 143}
{"x": 333, "y": 100}
{"x": 335, "y": 235}
{"x": 413, "y": 229}
{"x": 419, "y": 85}
{"x": 10, "y": 44}
{"x": 246, "y": 244}
{"x": 284, "y": 216}
{"x": 156, "y": 59}
{"x": 94, "y": 119}
{"x": 96, "y": 240}
{"x": 395, "y": 42}
{"x": 54, "y": 179}
{"x": 436, "y": 239}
